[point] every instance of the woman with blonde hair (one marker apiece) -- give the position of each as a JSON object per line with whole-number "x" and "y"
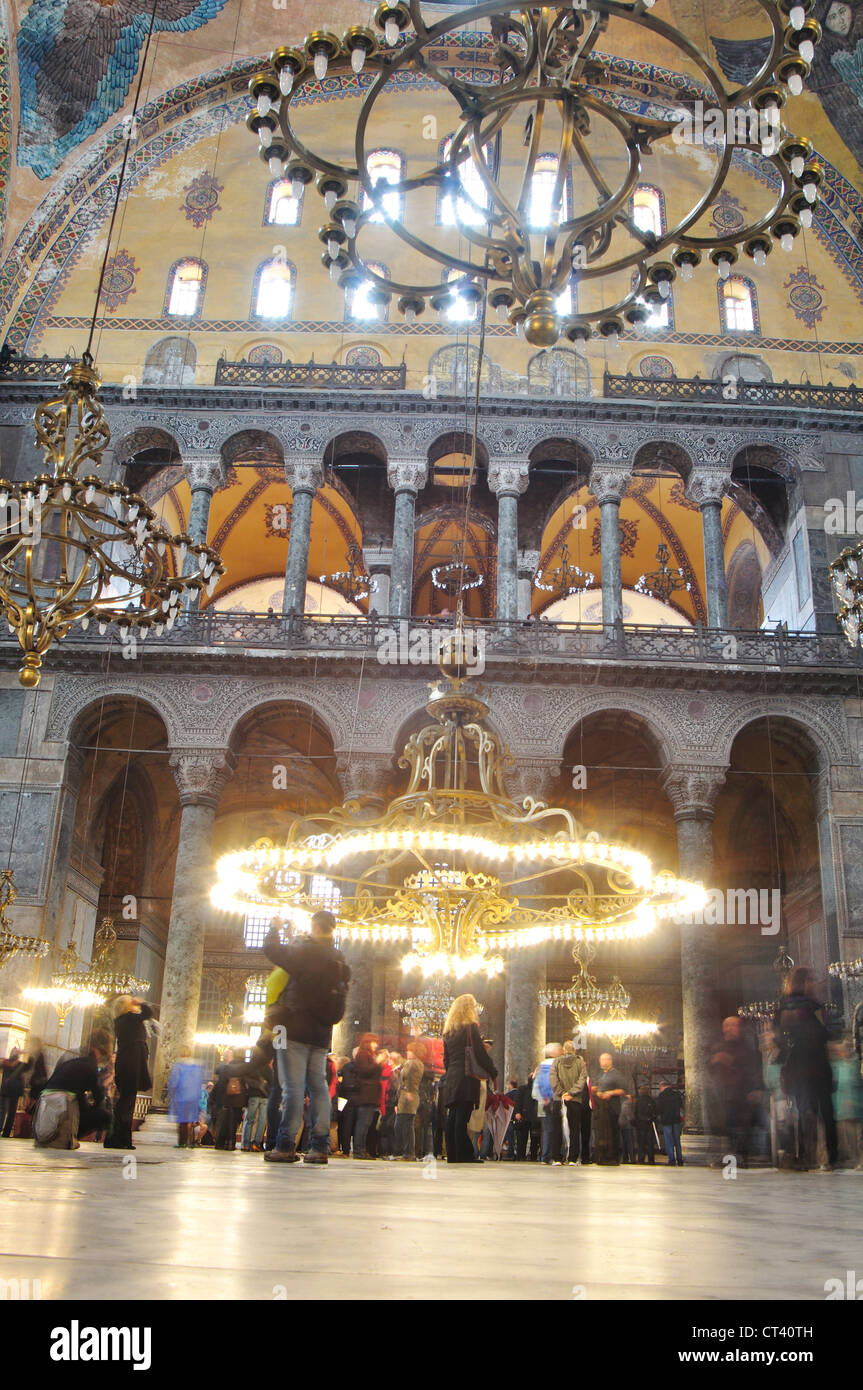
{"x": 467, "y": 1063}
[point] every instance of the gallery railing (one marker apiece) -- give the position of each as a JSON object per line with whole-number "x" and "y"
{"x": 704, "y": 390}
{"x": 318, "y": 375}
{"x": 417, "y": 642}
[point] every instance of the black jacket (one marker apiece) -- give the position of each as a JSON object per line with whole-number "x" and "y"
{"x": 458, "y": 1088}
{"x": 77, "y": 1074}
{"x": 304, "y": 959}
{"x": 132, "y": 1063}
{"x": 645, "y": 1111}
{"x": 13, "y": 1078}
{"x": 669, "y": 1106}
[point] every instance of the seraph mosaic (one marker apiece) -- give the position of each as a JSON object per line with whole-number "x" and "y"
{"x": 76, "y": 63}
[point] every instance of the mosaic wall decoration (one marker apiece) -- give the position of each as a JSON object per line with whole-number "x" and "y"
{"x": 805, "y": 296}
{"x": 202, "y": 199}
{"x": 76, "y": 64}
{"x": 277, "y": 519}
{"x": 363, "y": 356}
{"x": 265, "y": 352}
{"x": 119, "y": 281}
{"x": 5, "y": 126}
{"x": 728, "y": 214}
{"x": 628, "y": 537}
{"x": 655, "y": 366}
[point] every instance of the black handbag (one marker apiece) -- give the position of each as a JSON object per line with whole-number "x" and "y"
{"x": 471, "y": 1066}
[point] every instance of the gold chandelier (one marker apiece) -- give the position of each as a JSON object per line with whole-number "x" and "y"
{"x": 78, "y": 549}
{"x": 454, "y": 867}
{"x": 542, "y": 119}
{"x": 11, "y": 944}
{"x": 78, "y": 984}
{"x": 583, "y": 997}
{"x": 428, "y": 1011}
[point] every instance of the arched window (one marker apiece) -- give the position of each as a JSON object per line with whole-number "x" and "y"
{"x": 358, "y": 306}
{"x": 456, "y": 209}
{"x": 648, "y": 213}
{"x": 273, "y": 293}
{"x": 185, "y": 294}
{"x": 387, "y": 167}
{"x": 542, "y": 210}
{"x": 738, "y": 310}
{"x": 282, "y": 209}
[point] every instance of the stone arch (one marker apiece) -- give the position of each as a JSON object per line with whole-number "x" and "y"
{"x": 743, "y": 366}
{"x": 330, "y": 716}
{"x": 172, "y": 361}
{"x": 825, "y": 737}
{"x": 252, "y": 446}
{"x": 664, "y": 455}
{"x": 743, "y": 577}
{"x": 147, "y": 444}
{"x": 659, "y": 728}
{"x": 81, "y": 705}
{"x": 457, "y": 442}
{"x": 763, "y": 484}
{"x": 351, "y": 442}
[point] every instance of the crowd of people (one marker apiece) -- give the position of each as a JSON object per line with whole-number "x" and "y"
{"x": 290, "y": 1098}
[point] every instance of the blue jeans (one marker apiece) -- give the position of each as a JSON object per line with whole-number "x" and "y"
{"x": 405, "y": 1136}
{"x": 253, "y": 1124}
{"x": 552, "y": 1133}
{"x": 672, "y": 1143}
{"x": 365, "y": 1115}
{"x": 274, "y": 1110}
{"x": 303, "y": 1067}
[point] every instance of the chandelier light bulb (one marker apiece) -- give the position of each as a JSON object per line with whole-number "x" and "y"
{"x": 787, "y": 242}
{"x": 297, "y": 187}
{"x": 102, "y": 629}
{"x": 275, "y": 164}
{"x": 322, "y": 62}
{"x": 410, "y": 315}
{"x": 358, "y": 58}
{"x": 89, "y": 494}
{"x": 349, "y": 227}
{"x": 263, "y": 104}
{"x": 265, "y": 135}
{"x": 335, "y": 272}
{"x": 665, "y": 288}
{"x": 760, "y": 256}
{"x": 613, "y": 340}
{"x": 331, "y": 197}
{"x": 286, "y": 81}
{"x": 810, "y": 192}
{"x": 798, "y": 164}
{"x": 797, "y": 17}
{"x": 806, "y": 217}
{"x": 391, "y": 32}
{"x": 43, "y": 492}
{"x": 807, "y": 50}
{"x": 687, "y": 271}
{"x": 67, "y": 492}
{"x": 4, "y": 497}
{"x": 795, "y": 84}
{"x": 333, "y": 249}
{"x": 502, "y": 312}
{"x": 723, "y": 265}
{"x": 520, "y": 329}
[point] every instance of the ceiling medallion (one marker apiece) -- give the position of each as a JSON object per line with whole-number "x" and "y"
{"x": 453, "y": 867}
{"x": 541, "y": 162}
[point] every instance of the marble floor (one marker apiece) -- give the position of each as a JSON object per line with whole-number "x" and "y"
{"x": 188, "y": 1225}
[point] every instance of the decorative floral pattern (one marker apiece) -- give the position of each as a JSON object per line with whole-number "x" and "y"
{"x": 202, "y": 199}
{"x": 119, "y": 282}
{"x": 266, "y": 352}
{"x": 728, "y": 214}
{"x": 363, "y": 356}
{"x": 805, "y": 296}
{"x": 628, "y": 538}
{"x": 655, "y": 366}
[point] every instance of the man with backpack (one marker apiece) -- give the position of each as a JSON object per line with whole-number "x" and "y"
{"x": 313, "y": 1001}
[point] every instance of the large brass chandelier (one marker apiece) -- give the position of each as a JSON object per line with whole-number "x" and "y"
{"x": 546, "y": 137}
{"x": 454, "y": 867}
{"x": 79, "y": 984}
{"x": 76, "y": 548}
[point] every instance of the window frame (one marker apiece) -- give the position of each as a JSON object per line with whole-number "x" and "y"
{"x": 444, "y": 196}
{"x": 660, "y": 199}
{"x": 271, "y": 189}
{"x": 255, "y": 312}
{"x": 169, "y": 289}
{"x": 725, "y": 327}
{"x": 366, "y": 204}
{"x": 350, "y": 298}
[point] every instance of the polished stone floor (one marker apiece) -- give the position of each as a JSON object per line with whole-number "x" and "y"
{"x": 188, "y": 1225}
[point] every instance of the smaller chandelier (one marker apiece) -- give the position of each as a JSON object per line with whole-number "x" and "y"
{"x": 619, "y": 1030}
{"x": 762, "y": 1009}
{"x": 846, "y": 969}
{"x": 427, "y": 1011}
{"x": 11, "y": 944}
{"x": 566, "y": 579}
{"x": 584, "y": 997}
{"x": 353, "y": 583}
{"x": 846, "y": 575}
{"x": 77, "y": 548}
{"x": 457, "y": 575}
{"x": 664, "y": 582}
{"x": 223, "y": 1038}
{"x": 78, "y": 985}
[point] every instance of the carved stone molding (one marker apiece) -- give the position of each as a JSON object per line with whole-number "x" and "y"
{"x": 407, "y": 474}
{"x": 706, "y": 486}
{"x": 303, "y": 474}
{"x": 536, "y": 779}
{"x": 609, "y": 484}
{"x": 363, "y": 774}
{"x": 693, "y": 788}
{"x": 201, "y": 774}
{"x": 508, "y": 476}
{"x": 204, "y": 472}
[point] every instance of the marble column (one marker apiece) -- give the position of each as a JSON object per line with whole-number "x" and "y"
{"x": 692, "y": 791}
{"x": 528, "y": 564}
{"x": 830, "y": 905}
{"x": 608, "y": 486}
{"x": 407, "y": 477}
{"x": 358, "y": 1013}
{"x": 205, "y": 474}
{"x": 305, "y": 477}
{"x": 707, "y": 488}
{"x": 507, "y": 479}
{"x": 525, "y": 1016}
{"x": 378, "y": 561}
{"x": 201, "y": 774}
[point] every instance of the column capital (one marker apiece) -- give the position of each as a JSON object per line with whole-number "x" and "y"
{"x": 201, "y": 774}
{"x": 532, "y": 779}
{"x": 707, "y": 486}
{"x": 508, "y": 476}
{"x": 609, "y": 484}
{"x": 303, "y": 474}
{"x": 363, "y": 775}
{"x": 204, "y": 472}
{"x": 692, "y": 789}
{"x": 407, "y": 474}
